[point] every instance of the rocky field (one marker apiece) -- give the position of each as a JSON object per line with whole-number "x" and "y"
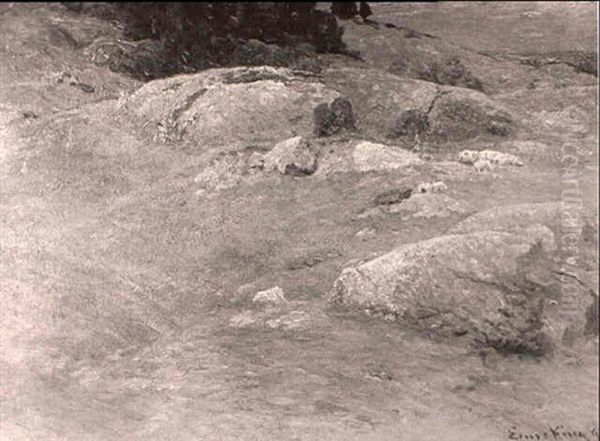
{"x": 396, "y": 246}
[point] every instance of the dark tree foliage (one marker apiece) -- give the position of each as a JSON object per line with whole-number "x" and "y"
{"x": 365, "y": 10}
{"x": 344, "y": 10}
{"x": 193, "y": 36}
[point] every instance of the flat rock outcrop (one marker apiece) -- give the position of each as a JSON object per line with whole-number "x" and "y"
{"x": 510, "y": 218}
{"x": 368, "y": 156}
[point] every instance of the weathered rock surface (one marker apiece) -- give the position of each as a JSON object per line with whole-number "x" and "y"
{"x": 379, "y": 98}
{"x": 428, "y": 205}
{"x": 389, "y": 106}
{"x": 471, "y": 283}
{"x": 226, "y": 109}
{"x": 464, "y": 114}
{"x": 293, "y": 156}
{"x": 510, "y": 218}
{"x": 275, "y": 318}
{"x": 370, "y": 156}
{"x": 225, "y": 172}
{"x": 271, "y": 296}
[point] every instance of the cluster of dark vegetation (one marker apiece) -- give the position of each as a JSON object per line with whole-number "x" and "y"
{"x": 451, "y": 72}
{"x": 187, "y": 37}
{"x": 330, "y": 119}
{"x": 348, "y": 10}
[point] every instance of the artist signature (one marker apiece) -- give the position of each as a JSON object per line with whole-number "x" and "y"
{"x": 555, "y": 433}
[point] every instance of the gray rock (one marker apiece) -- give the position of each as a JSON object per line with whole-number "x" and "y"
{"x": 458, "y": 116}
{"x": 429, "y": 205}
{"x": 369, "y": 156}
{"x": 271, "y": 296}
{"x": 226, "y": 109}
{"x": 292, "y": 157}
{"x": 410, "y": 122}
{"x": 510, "y": 218}
{"x": 460, "y": 284}
{"x": 244, "y": 319}
{"x": 292, "y": 320}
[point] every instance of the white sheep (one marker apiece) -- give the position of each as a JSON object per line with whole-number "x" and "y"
{"x": 468, "y": 156}
{"x": 499, "y": 158}
{"x": 482, "y": 165}
{"x": 431, "y": 187}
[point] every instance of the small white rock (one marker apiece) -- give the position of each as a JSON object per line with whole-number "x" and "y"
{"x": 366, "y": 233}
{"x": 292, "y": 320}
{"x": 369, "y": 156}
{"x": 242, "y": 320}
{"x": 273, "y": 295}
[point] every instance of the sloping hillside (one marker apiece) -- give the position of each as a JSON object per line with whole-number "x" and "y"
{"x": 421, "y": 212}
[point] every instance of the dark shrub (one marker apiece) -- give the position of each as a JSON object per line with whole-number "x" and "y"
{"x": 344, "y": 10}
{"x": 410, "y": 122}
{"x": 331, "y": 119}
{"x": 393, "y": 196}
{"x": 451, "y": 72}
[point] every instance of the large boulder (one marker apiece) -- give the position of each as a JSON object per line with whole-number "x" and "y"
{"x": 379, "y": 98}
{"x": 462, "y": 114}
{"x": 227, "y": 109}
{"x": 475, "y": 284}
{"x": 387, "y": 106}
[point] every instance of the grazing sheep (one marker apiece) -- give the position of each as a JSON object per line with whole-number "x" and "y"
{"x": 494, "y": 157}
{"x": 468, "y": 156}
{"x": 431, "y": 187}
{"x": 498, "y": 158}
{"x": 482, "y": 165}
